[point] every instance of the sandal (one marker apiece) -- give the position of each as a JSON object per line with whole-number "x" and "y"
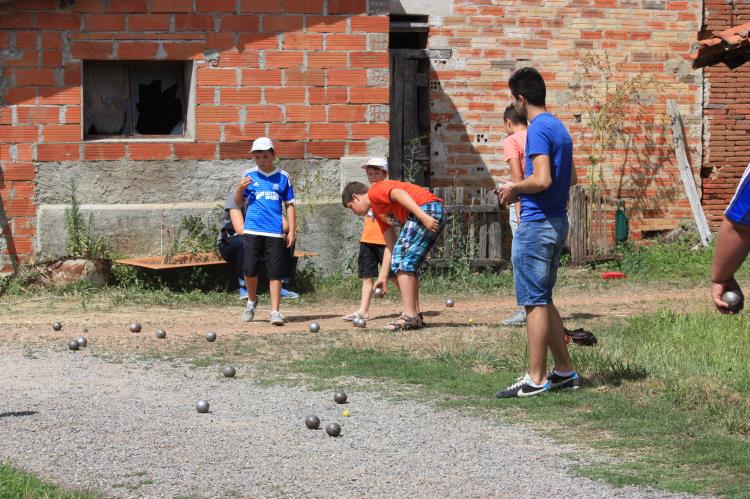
{"x": 405, "y": 323}
{"x": 354, "y": 315}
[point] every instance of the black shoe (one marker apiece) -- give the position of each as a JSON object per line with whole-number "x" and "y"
{"x": 522, "y": 388}
{"x": 558, "y": 382}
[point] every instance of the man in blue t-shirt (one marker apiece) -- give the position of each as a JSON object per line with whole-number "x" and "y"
{"x": 540, "y": 236}
{"x": 263, "y": 189}
{"x": 733, "y": 245}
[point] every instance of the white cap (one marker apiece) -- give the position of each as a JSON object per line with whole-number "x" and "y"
{"x": 262, "y": 144}
{"x": 381, "y": 163}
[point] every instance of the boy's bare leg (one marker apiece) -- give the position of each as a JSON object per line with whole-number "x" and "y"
{"x": 251, "y": 283}
{"x": 537, "y": 332}
{"x": 274, "y": 288}
{"x": 556, "y": 340}
{"x": 409, "y": 287}
{"x": 364, "y": 304}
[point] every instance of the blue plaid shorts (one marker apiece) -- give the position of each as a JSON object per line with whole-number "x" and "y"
{"x": 415, "y": 241}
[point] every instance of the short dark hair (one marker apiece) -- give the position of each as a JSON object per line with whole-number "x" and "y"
{"x": 350, "y": 190}
{"x": 511, "y": 114}
{"x": 529, "y": 83}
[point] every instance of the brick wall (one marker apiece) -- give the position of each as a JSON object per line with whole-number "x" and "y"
{"x": 489, "y": 42}
{"x": 727, "y": 115}
{"x": 309, "y": 75}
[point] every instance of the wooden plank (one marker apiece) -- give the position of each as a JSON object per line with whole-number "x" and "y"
{"x": 482, "y": 220}
{"x": 687, "y": 173}
{"x": 197, "y": 260}
{"x": 396, "y": 144}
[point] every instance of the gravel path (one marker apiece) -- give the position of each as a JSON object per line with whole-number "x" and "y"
{"x": 130, "y": 430}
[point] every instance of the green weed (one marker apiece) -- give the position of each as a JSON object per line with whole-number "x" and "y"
{"x": 17, "y": 484}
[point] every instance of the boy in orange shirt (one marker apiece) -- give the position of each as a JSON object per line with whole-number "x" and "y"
{"x": 423, "y": 217}
{"x": 371, "y": 244}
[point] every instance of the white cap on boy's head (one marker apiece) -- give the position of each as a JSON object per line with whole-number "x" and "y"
{"x": 262, "y": 144}
{"x": 381, "y": 163}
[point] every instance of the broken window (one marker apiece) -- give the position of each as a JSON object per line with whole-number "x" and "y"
{"x": 135, "y": 99}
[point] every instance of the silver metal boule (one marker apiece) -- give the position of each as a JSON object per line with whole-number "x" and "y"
{"x": 312, "y": 422}
{"x": 135, "y": 327}
{"x": 340, "y": 397}
{"x": 333, "y": 429}
{"x": 229, "y": 371}
{"x": 57, "y": 326}
{"x": 73, "y": 345}
{"x": 734, "y": 300}
{"x": 160, "y": 333}
{"x": 82, "y": 341}
{"x": 314, "y": 327}
{"x": 210, "y": 336}
{"x": 201, "y": 406}
{"x": 378, "y": 293}
{"x": 449, "y": 302}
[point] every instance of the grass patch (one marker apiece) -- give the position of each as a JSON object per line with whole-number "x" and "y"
{"x": 667, "y": 394}
{"x": 17, "y": 484}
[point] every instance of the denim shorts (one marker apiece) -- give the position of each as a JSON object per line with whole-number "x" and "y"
{"x": 536, "y": 251}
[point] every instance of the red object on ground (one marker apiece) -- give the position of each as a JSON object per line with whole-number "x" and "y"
{"x": 613, "y": 275}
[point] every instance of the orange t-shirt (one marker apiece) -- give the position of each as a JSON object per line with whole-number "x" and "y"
{"x": 385, "y": 209}
{"x": 371, "y": 232}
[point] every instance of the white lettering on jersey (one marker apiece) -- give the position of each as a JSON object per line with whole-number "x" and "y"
{"x": 273, "y": 196}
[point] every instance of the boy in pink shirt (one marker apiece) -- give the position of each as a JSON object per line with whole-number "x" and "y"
{"x": 514, "y": 150}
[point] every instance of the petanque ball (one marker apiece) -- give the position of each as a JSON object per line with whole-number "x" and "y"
{"x": 312, "y": 422}
{"x": 314, "y": 327}
{"x": 57, "y": 326}
{"x": 378, "y": 293}
{"x": 229, "y": 371}
{"x": 82, "y": 341}
{"x": 333, "y": 429}
{"x": 449, "y": 302}
{"x": 73, "y": 345}
{"x": 201, "y": 406}
{"x": 339, "y": 397}
{"x": 359, "y": 322}
{"x": 734, "y": 300}
{"x": 134, "y": 327}
{"x": 210, "y": 336}
{"x": 160, "y": 333}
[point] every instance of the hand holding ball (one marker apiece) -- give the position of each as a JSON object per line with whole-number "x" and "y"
{"x": 733, "y": 300}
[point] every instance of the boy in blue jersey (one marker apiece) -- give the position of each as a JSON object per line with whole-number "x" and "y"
{"x": 540, "y": 236}
{"x": 733, "y": 245}
{"x": 264, "y": 189}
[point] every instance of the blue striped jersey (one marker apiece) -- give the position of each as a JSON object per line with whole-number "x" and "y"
{"x": 264, "y": 196}
{"x": 739, "y": 208}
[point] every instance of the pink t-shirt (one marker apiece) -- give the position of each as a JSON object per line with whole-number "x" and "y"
{"x": 514, "y": 147}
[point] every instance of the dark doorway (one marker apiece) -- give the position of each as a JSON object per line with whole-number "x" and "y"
{"x": 409, "y": 149}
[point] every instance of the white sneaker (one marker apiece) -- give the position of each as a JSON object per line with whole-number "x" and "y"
{"x": 277, "y": 319}
{"x": 249, "y": 312}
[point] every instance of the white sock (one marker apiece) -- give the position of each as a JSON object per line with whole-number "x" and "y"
{"x": 250, "y": 303}
{"x": 529, "y": 382}
{"x": 566, "y": 374}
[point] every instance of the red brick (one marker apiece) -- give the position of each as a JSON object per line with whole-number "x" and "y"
{"x": 137, "y": 50}
{"x": 28, "y": 77}
{"x": 305, "y": 113}
{"x": 291, "y": 131}
{"x": 24, "y": 152}
{"x": 264, "y": 114}
{"x": 352, "y": 114}
{"x": 149, "y": 151}
{"x": 19, "y": 208}
{"x": 260, "y": 6}
{"x": 29, "y": 59}
{"x": 327, "y": 60}
{"x": 150, "y": 22}
{"x": 16, "y": 21}
{"x": 220, "y": 41}
{"x": 311, "y": 77}
{"x": 328, "y": 95}
{"x": 284, "y": 59}
{"x": 194, "y": 151}
{"x": 139, "y": 6}
{"x": 290, "y": 150}
{"x": 205, "y": 132}
{"x": 61, "y": 133}
{"x": 285, "y": 95}
{"x": 19, "y": 171}
{"x": 26, "y": 39}
{"x": 91, "y": 50}
{"x": 234, "y": 150}
{"x": 214, "y": 5}
{"x": 72, "y": 115}
{"x": 51, "y": 58}
{"x": 263, "y": 77}
{"x": 245, "y": 59}
{"x": 104, "y": 151}
{"x": 36, "y": 115}
{"x": 9, "y": 133}
{"x": 171, "y": 5}
{"x": 303, "y": 41}
{"x": 285, "y": 24}
{"x": 6, "y": 116}
{"x": 369, "y": 130}
{"x": 370, "y": 24}
{"x": 51, "y": 40}
{"x": 326, "y": 149}
{"x": 217, "y": 114}
{"x": 259, "y": 41}
{"x": 368, "y": 59}
{"x": 72, "y": 75}
{"x": 346, "y": 42}
{"x": 303, "y": 6}
{"x": 5, "y": 39}
{"x": 57, "y": 152}
{"x": 347, "y": 77}
{"x": 244, "y": 95}
{"x": 182, "y": 51}
{"x": 60, "y": 96}
{"x": 204, "y": 95}
{"x": 193, "y": 22}
{"x": 249, "y": 132}
{"x": 217, "y": 76}
{"x": 105, "y": 22}
{"x": 87, "y": 6}
{"x": 369, "y": 95}
{"x": 240, "y": 23}
{"x": 49, "y": 21}
{"x": 326, "y": 24}
{"x": 347, "y": 6}
{"x": 329, "y": 131}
